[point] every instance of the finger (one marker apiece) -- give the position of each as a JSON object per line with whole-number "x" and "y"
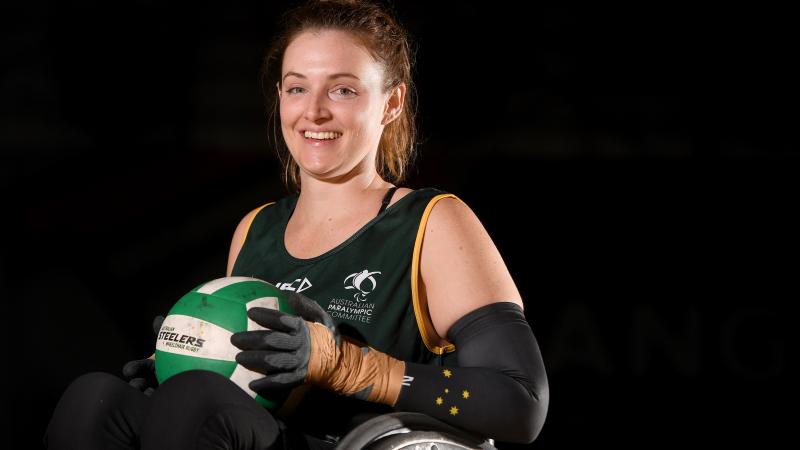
{"x": 152, "y": 379}
{"x": 266, "y": 340}
{"x": 279, "y": 382}
{"x": 149, "y": 392}
{"x": 274, "y": 319}
{"x": 309, "y": 309}
{"x": 130, "y": 368}
{"x": 157, "y": 322}
{"x": 139, "y": 383}
{"x": 268, "y": 362}
{"x": 137, "y": 367}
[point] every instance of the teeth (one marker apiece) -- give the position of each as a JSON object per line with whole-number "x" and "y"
{"x": 322, "y": 135}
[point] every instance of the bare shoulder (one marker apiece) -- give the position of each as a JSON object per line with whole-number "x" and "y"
{"x": 400, "y": 193}
{"x": 461, "y": 267}
{"x": 238, "y": 238}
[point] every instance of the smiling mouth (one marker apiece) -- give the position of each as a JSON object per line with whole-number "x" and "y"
{"x": 322, "y": 135}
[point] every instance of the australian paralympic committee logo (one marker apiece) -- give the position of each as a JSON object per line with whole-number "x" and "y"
{"x": 363, "y": 282}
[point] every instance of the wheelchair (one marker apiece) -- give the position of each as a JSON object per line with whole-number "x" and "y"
{"x": 412, "y": 431}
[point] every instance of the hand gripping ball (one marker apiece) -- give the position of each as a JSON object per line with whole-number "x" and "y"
{"x": 196, "y": 332}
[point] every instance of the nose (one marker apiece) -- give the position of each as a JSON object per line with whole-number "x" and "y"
{"x": 317, "y": 109}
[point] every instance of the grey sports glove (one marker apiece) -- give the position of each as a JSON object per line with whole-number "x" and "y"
{"x": 141, "y": 373}
{"x": 282, "y": 351}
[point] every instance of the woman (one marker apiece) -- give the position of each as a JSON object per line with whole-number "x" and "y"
{"x": 398, "y": 270}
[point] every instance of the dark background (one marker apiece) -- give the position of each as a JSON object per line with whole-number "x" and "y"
{"x": 636, "y": 166}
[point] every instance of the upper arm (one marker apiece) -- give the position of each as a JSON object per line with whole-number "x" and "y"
{"x": 461, "y": 267}
{"x": 238, "y": 239}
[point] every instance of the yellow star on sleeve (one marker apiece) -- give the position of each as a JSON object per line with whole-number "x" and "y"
{"x": 453, "y": 410}
{"x": 446, "y": 391}
{"x": 439, "y": 401}
{"x": 447, "y": 373}
{"x": 465, "y": 394}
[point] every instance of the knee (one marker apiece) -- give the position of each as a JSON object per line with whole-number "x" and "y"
{"x": 93, "y": 382}
{"x": 88, "y": 393}
{"x": 83, "y": 406}
{"x": 195, "y": 408}
{"x": 197, "y": 387}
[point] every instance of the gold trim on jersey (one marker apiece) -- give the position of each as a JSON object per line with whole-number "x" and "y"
{"x": 247, "y": 231}
{"x": 258, "y": 210}
{"x": 430, "y": 337}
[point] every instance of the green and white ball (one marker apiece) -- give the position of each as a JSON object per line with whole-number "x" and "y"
{"x": 197, "y": 331}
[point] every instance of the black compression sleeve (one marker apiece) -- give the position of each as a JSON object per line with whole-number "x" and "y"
{"x": 499, "y": 389}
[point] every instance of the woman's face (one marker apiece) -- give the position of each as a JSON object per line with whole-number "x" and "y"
{"x": 332, "y": 105}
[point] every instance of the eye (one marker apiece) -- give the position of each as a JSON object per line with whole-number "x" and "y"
{"x": 294, "y": 90}
{"x": 344, "y": 92}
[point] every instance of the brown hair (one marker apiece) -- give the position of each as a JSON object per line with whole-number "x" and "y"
{"x": 381, "y": 34}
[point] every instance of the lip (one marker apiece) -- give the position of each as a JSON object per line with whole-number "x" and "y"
{"x": 317, "y": 142}
{"x": 319, "y": 131}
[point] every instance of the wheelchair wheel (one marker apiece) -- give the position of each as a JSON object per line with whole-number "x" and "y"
{"x": 412, "y": 431}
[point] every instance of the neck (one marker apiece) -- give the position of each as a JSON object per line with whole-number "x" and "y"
{"x": 325, "y": 200}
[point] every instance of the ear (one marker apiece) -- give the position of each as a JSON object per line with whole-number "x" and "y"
{"x": 278, "y": 87}
{"x": 394, "y": 104}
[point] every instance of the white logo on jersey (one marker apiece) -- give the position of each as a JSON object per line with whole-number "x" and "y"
{"x": 304, "y": 284}
{"x": 356, "y": 281}
{"x": 407, "y": 380}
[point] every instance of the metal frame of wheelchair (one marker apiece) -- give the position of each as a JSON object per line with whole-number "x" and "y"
{"x": 411, "y": 431}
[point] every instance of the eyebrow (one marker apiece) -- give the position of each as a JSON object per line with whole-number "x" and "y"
{"x": 335, "y": 75}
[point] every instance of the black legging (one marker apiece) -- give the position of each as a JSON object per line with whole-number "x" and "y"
{"x": 191, "y": 410}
